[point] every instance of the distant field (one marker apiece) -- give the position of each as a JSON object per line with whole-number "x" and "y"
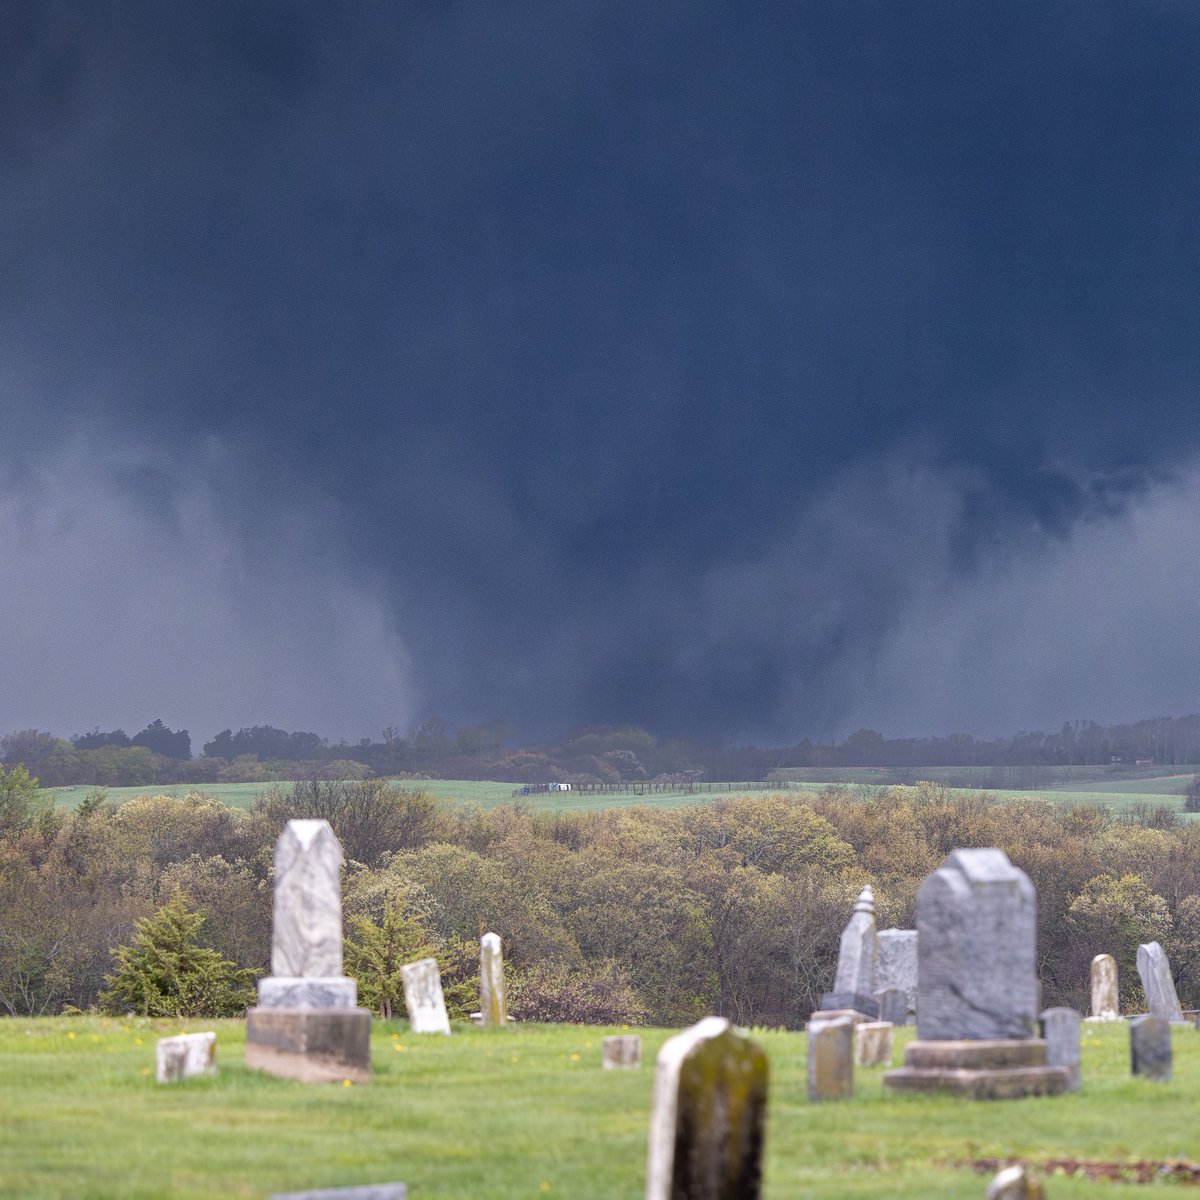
{"x": 1159, "y": 778}
{"x": 1120, "y": 793}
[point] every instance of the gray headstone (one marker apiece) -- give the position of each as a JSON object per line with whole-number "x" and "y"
{"x": 1060, "y": 1030}
{"x": 621, "y": 1050}
{"x": 831, "y": 1058}
{"x": 1150, "y": 1046}
{"x": 370, "y": 1191}
{"x": 493, "y": 1005}
{"x": 185, "y": 1055}
{"x": 858, "y": 951}
{"x": 893, "y": 1006}
{"x": 423, "y": 997}
{"x": 706, "y": 1125}
{"x": 897, "y": 966}
{"x": 1106, "y": 1003}
{"x": 1155, "y": 972}
{"x": 977, "y": 979}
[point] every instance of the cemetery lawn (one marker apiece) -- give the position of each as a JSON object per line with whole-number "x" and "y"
{"x": 523, "y": 1112}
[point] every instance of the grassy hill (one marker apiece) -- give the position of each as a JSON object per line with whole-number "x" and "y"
{"x": 522, "y": 1112}
{"x": 1069, "y": 785}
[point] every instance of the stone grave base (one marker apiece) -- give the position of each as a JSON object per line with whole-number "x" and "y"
{"x": 981, "y": 1070}
{"x": 868, "y": 1006}
{"x": 314, "y": 1045}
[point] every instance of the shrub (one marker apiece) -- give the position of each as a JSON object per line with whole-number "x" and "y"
{"x": 601, "y": 996}
{"x": 165, "y": 972}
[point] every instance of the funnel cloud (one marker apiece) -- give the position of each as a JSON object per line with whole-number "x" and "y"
{"x": 753, "y": 371}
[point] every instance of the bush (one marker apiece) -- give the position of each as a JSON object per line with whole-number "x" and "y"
{"x": 370, "y": 817}
{"x": 601, "y": 996}
{"x": 165, "y": 972}
{"x": 1191, "y": 802}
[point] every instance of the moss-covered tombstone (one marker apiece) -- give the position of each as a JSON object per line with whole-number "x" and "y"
{"x": 707, "y": 1123}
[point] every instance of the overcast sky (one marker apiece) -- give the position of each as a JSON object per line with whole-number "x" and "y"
{"x": 757, "y": 370}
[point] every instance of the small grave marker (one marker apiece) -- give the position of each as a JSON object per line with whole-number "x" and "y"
{"x": 621, "y": 1050}
{"x": 185, "y": 1055}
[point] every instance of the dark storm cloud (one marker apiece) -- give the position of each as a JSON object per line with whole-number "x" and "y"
{"x": 640, "y": 358}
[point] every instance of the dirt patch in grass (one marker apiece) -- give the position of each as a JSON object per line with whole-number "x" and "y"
{"x": 1144, "y": 1170}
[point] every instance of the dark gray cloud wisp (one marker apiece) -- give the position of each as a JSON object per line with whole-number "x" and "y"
{"x": 668, "y": 363}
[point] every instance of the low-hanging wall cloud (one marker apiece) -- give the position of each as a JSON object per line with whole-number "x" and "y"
{"x": 747, "y": 371}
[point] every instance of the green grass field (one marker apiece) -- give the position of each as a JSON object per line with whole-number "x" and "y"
{"x": 1120, "y": 793}
{"x": 522, "y": 1112}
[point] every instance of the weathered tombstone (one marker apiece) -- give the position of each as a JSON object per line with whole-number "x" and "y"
{"x": 897, "y": 968}
{"x": 708, "y": 1116}
{"x": 831, "y": 1058}
{"x": 369, "y": 1191}
{"x": 493, "y": 1005}
{"x": 1106, "y": 1005}
{"x": 854, "y": 984}
{"x": 307, "y": 1024}
{"x": 873, "y": 1043}
{"x": 1015, "y": 1183}
{"x": 423, "y": 997}
{"x": 1060, "y": 1029}
{"x": 185, "y": 1055}
{"x": 1155, "y": 971}
{"x": 893, "y": 1006}
{"x": 621, "y": 1050}
{"x": 977, "y": 984}
{"x": 1150, "y": 1046}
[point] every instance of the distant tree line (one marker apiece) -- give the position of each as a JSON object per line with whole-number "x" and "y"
{"x": 163, "y": 905}
{"x": 585, "y": 754}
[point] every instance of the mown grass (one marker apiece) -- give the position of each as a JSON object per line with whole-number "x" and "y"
{"x": 1119, "y": 794}
{"x": 521, "y": 1112}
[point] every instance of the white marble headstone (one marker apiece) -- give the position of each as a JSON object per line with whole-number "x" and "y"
{"x": 493, "y": 1004}
{"x": 306, "y": 939}
{"x": 184, "y": 1055}
{"x": 423, "y": 997}
{"x": 1105, "y": 1002}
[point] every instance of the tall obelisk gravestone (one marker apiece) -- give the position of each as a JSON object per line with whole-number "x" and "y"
{"x": 307, "y": 1024}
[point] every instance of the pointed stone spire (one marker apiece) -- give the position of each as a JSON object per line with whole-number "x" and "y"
{"x": 866, "y": 901}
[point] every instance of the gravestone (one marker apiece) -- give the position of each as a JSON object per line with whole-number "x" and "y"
{"x": 873, "y": 1043}
{"x": 368, "y": 1191}
{"x": 1150, "y": 1046}
{"x": 854, "y": 984}
{"x": 831, "y": 1058}
{"x": 621, "y": 1050}
{"x": 423, "y": 997}
{"x": 493, "y": 1005}
{"x": 185, "y": 1055}
{"x": 1015, "y": 1183}
{"x": 897, "y": 968}
{"x": 307, "y": 1024}
{"x": 977, "y": 984}
{"x": 1106, "y": 1004}
{"x": 708, "y": 1114}
{"x": 1155, "y": 971}
{"x": 1060, "y": 1029}
{"x": 893, "y": 1006}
